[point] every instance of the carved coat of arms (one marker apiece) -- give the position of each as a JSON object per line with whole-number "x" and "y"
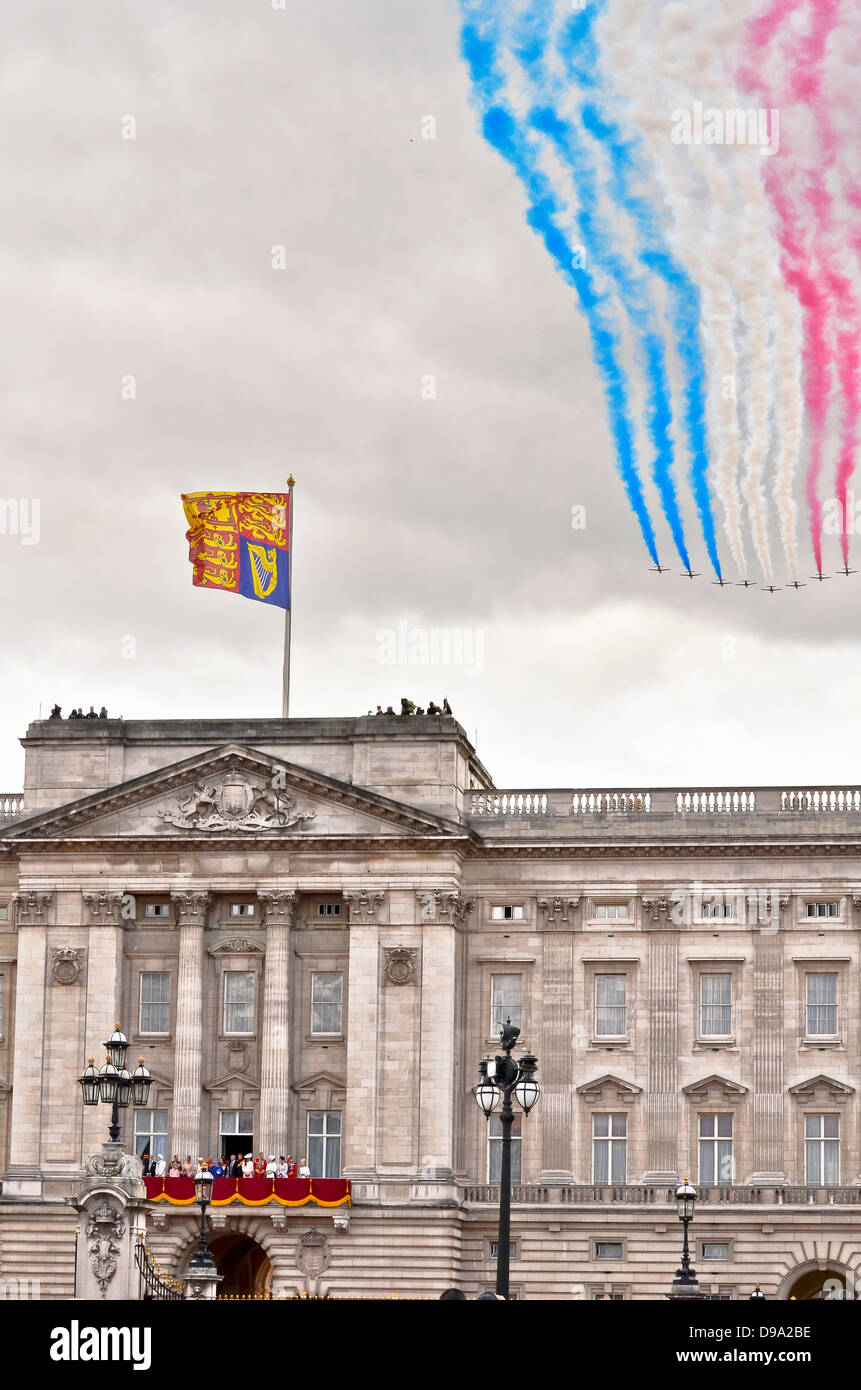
{"x": 235, "y": 804}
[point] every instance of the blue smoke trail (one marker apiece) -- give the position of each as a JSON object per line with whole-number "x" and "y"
{"x": 500, "y": 129}
{"x": 530, "y": 45}
{"x": 628, "y": 162}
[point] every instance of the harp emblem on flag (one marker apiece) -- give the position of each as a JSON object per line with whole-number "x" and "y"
{"x": 264, "y": 568}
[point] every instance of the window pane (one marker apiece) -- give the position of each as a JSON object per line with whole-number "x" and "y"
{"x": 812, "y": 1126}
{"x": 707, "y": 1163}
{"x": 724, "y": 1126}
{"x": 608, "y": 1250}
{"x": 600, "y": 1125}
{"x": 601, "y": 1160}
{"x": 506, "y": 1001}
{"x": 333, "y": 1158}
{"x": 315, "y": 1122}
{"x": 618, "y": 1166}
{"x": 333, "y": 1124}
{"x": 715, "y": 1251}
{"x": 716, "y": 1001}
{"x": 619, "y": 1125}
{"x": 724, "y": 1160}
{"x": 326, "y": 1002}
{"x": 831, "y": 1162}
{"x": 831, "y": 1126}
{"x": 813, "y": 1171}
{"x": 155, "y": 1002}
{"x": 610, "y": 998}
{"x": 707, "y": 1126}
{"x": 238, "y": 1002}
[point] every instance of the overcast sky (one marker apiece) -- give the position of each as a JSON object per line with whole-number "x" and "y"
{"x": 406, "y": 258}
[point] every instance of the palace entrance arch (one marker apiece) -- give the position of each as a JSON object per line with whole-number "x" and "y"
{"x": 245, "y": 1267}
{"x": 818, "y": 1281}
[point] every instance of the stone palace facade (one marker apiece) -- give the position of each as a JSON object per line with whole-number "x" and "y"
{"x": 311, "y": 930}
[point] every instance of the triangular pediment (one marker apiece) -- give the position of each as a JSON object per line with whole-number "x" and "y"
{"x": 323, "y": 1086}
{"x": 714, "y": 1087}
{"x": 229, "y": 1079}
{"x": 821, "y": 1087}
{"x": 233, "y": 791}
{"x": 613, "y": 1086}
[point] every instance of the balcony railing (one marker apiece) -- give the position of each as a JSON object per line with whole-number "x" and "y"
{"x": 638, "y": 1194}
{"x": 11, "y": 806}
{"x": 681, "y": 802}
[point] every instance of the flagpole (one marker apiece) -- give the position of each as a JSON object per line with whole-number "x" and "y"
{"x": 288, "y": 615}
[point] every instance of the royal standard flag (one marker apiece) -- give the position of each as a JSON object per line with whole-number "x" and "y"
{"x": 240, "y": 542}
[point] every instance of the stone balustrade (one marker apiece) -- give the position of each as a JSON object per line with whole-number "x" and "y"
{"x": 11, "y": 806}
{"x": 785, "y": 803}
{"x": 637, "y": 1194}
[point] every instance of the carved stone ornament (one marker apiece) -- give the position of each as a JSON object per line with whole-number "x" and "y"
{"x": 557, "y": 911}
{"x": 236, "y": 946}
{"x": 105, "y": 1229}
{"x": 190, "y": 908}
{"x": 237, "y": 1056}
{"x": 362, "y": 907}
{"x": 312, "y": 1253}
{"x": 119, "y": 1165}
{"x": 400, "y": 965}
{"x": 441, "y": 906}
{"x": 31, "y": 908}
{"x": 66, "y": 964}
{"x": 103, "y": 907}
{"x": 660, "y": 909}
{"x": 235, "y": 804}
{"x": 278, "y": 905}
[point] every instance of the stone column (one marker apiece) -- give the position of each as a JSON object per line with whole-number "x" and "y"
{"x": 768, "y": 1043}
{"x": 662, "y": 1100}
{"x": 443, "y": 917}
{"x": 275, "y": 1053}
{"x": 104, "y": 992}
{"x": 185, "y": 1128}
{"x": 23, "y": 1175}
{"x": 556, "y": 1062}
{"x": 360, "y": 1111}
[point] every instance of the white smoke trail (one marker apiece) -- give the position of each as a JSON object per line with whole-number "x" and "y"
{"x": 665, "y": 59}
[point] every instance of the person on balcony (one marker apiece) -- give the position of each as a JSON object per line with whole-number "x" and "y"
{"x": 248, "y": 1166}
{"x": 271, "y": 1166}
{"x": 160, "y": 1169}
{"x": 260, "y": 1166}
{"x": 304, "y": 1170}
{"x": 188, "y": 1168}
{"x": 174, "y": 1171}
{"x": 283, "y": 1169}
{"x": 217, "y": 1168}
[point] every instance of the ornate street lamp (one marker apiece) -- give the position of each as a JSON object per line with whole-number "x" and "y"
{"x": 112, "y": 1084}
{"x": 686, "y": 1199}
{"x": 504, "y": 1076}
{"x": 757, "y": 1294}
{"x": 202, "y": 1265}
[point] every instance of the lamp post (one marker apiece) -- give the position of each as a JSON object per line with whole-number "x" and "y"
{"x": 757, "y": 1294}
{"x": 112, "y": 1084}
{"x": 504, "y": 1077}
{"x": 686, "y": 1198}
{"x": 202, "y": 1264}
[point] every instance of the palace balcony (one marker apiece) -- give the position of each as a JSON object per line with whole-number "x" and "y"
{"x": 637, "y": 1194}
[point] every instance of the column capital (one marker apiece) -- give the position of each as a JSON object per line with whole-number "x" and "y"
{"x": 278, "y": 906}
{"x": 103, "y": 908}
{"x": 191, "y": 908}
{"x": 362, "y": 907}
{"x": 442, "y": 905}
{"x": 31, "y": 909}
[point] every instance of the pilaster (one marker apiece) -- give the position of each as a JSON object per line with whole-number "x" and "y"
{"x": 191, "y": 909}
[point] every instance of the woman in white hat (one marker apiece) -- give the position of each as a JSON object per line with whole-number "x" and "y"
{"x": 248, "y": 1166}
{"x": 271, "y": 1166}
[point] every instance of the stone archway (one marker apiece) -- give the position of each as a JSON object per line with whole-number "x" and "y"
{"x": 245, "y": 1267}
{"x": 817, "y": 1280}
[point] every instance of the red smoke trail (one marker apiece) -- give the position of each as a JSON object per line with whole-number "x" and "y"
{"x": 804, "y": 240}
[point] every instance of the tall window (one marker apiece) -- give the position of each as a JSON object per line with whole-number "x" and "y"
{"x": 238, "y": 1001}
{"x": 506, "y": 1001}
{"x": 715, "y": 1150}
{"x": 324, "y": 1143}
{"x": 821, "y": 1006}
{"x": 610, "y": 1006}
{"x": 151, "y": 1133}
{"x": 822, "y": 1149}
{"x": 236, "y": 1132}
{"x": 154, "y": 1002}
{"x": 715, "y": 1006}
{"x": 494, "y": 1149}
{"x": 609, "y": 1144}
{"x": 327, "y": 989}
